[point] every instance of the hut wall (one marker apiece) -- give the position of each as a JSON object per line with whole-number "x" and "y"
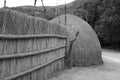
{"x": 86, "y": 49}
{"x": 30, "y": 48}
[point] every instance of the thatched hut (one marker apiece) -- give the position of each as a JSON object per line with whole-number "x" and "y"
{"x": 86, "y": 49}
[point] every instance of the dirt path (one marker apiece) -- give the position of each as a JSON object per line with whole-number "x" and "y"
{"x": 110, "y": 70}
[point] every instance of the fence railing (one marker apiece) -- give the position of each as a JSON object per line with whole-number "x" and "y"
{"x": 31, "y": 57}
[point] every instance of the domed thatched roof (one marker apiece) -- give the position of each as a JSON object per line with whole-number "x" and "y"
{"x": 86, "y": 49}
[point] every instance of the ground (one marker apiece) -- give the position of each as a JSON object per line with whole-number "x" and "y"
{"x": 110, "y": 70}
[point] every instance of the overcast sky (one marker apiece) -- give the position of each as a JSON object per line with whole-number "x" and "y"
{"x": 13, "y": 3}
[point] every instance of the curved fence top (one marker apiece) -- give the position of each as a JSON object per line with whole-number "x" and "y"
{"x": 17, "y": 23}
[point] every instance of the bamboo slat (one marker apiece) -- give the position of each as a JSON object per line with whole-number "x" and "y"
{"x": 30, "y": 53}
{"x": 12, "y": 61}
{"x": 31, "y": 70}
{"x": 30, "y": 48}
{"x": 5, "y": 63}
{"x": 1, "y": 53}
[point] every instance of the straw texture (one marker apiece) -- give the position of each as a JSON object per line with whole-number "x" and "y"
{"x": 31, "y": 48}
{"x": 16, "y": 23}
{"x": 86, "y": 49}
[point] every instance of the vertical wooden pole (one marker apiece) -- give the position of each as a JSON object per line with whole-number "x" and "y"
{"x": 44, "y": 8}
{"x": 65, "y": 14}
{"x": 35, "y": 1}
{"x": 4, "y": 3}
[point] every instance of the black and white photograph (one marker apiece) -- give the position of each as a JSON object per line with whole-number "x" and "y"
{"x": 59, "y": 39}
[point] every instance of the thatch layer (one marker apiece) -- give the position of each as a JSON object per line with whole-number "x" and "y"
{"x": 30, "y": 48}
{"x": 16, "y": 23}
{"x": 86, "y": 50}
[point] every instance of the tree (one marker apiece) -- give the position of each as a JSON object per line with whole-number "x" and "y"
{"x": 82, "y": 13}
{"x": 104, "y": 17}
{"x": 88, "y": 11}
{"x": 109, "y": 18}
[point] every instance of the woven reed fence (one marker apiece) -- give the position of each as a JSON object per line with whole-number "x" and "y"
{"x": 31, "y": 57}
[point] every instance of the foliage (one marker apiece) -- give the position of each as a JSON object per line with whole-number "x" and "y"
{"x": 109, "y": 20}
{"x": 104, "y": 16}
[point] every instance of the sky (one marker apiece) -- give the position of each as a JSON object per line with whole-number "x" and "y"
{"x": 14, "y": 3}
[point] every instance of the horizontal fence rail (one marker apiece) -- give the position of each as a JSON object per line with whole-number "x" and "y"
{"x": 31, "y": 57}
{"x": 31, "y": 36}
{"x": 31, "y": 70}
{"x": 19, "y": 55}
